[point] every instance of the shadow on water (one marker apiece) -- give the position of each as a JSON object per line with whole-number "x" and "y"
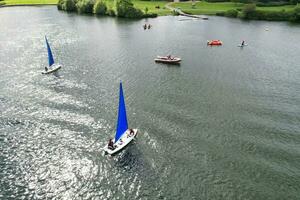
{"x": 175, "y": 65}
{"x": 132, "y": 160}
{"x": 129, "y": 159}
{"x": 56, "y": 74}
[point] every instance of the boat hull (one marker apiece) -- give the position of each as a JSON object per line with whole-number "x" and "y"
{"x": 52, "y": 69}
{"x": 214, "y": 43}
{"x": 121, "y": 143}
{"x": 242, "y": 45}
{"x": 166, "y": 60}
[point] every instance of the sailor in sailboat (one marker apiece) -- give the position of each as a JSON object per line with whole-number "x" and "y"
{"x": 111, "y": 144}
{"x": 123, "y": 135}
{"x": 52, "y": 66}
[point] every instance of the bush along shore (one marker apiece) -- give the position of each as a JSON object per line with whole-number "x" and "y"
{"x": 121, "y": 8}
{"x": 253, "y": 12}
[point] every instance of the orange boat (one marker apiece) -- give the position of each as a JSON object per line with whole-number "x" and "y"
{"x": 214, "y": 42}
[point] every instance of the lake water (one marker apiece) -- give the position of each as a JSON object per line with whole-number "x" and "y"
{"x": 223, "y": 125}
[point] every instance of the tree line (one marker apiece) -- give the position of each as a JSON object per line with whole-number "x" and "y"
{"x": 250, "y": 11}
{"x": 122, "y": 8}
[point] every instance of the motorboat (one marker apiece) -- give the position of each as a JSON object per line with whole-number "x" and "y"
{"x": 214, "y": 42}
{"x": 168, "y": 59}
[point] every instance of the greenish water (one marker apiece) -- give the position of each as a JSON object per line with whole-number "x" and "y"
{"x": 223, "y": 125}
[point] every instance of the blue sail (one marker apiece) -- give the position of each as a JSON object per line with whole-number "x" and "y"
{"x": 50, "y": 56}
{"x": 122, "y": 125}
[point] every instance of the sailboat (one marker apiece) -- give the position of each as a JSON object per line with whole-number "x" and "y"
{"x": 123, "y": 135}
{"x": 52, "y": 66}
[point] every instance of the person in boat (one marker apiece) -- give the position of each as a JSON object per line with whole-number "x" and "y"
{"x": 149, "y": 26}
{"x": 46, "y": 68}
{"x": 131, "y": 132}
{"x": 121, "y": 141}
{"x": 169, "y": 57}
{"x": 145, "y": 26}
{"x": 110, "y": 144}
{"x": 243, "y": 43}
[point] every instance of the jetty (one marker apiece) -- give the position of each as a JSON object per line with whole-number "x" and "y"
{"x": 180, "y": 12}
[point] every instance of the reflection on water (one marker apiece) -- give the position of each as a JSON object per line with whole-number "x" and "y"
{"x": 223, "y": 125}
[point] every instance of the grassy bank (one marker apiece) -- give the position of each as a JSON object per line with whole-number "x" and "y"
{"x": 205, "y": 8}
{"x": 151, "y": 5}
{"x": 29, "y": 2}
{"x": 277, "y": 8}
{"x": 229, "y": 9}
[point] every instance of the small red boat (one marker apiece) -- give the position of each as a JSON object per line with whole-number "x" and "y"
{"x": 215, "y": 42}
{"x": 167, "y": 59}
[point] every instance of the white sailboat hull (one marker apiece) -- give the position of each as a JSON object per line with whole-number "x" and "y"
{"x": 52, "y": 69}
{"x": 242, "y": 45}
{"x": 122, "y": 142}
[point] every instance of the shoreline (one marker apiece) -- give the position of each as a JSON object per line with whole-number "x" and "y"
{"x": 202, "y": 14}
{"x": 38, "y": 5}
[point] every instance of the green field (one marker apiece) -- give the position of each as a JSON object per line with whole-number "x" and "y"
{"x": 277, "y": 8}
{"x": 205, "y": 7}
{"x": 25, "y": 2}
{"x": 198, "y": 8}
{"x": 213, "y": 8}
{"x": 139, "y": 4}
{"x": 29, "y": 2}
{"x": 149, "y": 4}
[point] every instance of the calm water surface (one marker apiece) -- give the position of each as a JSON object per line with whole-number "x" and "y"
{"x": 223, "y": 125}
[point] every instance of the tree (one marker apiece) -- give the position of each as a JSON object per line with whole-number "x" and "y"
{"x": 231, "y": 13}
{"x": 85, "y": 6}
{"x": 69, "y": 5}
{"x": 249, "y": 10}
{"x": 296, "y": 15}
{"x": 60, "y": 4}
{"x": 125, "y": 8}
{"x": 100, "y": 7}
{"x": 294, "y": 2}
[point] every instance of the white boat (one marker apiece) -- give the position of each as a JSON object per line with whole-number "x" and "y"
{"x": 53, "y": 67}
{"x": 167, "y": 59}
{"x": 240, "y": 45}
{"x": 123, "y": 135}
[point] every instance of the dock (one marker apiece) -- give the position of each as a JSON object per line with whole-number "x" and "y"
{"x": 180, "y": 12}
